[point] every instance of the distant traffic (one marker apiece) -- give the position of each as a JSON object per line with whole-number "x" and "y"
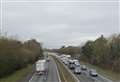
{"x": 75, "y": 65}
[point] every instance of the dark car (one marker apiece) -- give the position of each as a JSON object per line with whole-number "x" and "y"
{"x": 48, "y": 59}
{"x": 71, "y": 66}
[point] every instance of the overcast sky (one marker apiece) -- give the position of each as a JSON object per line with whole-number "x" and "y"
{"x": 60, "y": 23}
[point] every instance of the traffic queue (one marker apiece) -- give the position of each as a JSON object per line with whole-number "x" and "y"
{"x": 75, "y": 65}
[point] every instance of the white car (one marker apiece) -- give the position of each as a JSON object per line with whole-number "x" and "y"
{"x": 83, "y": 67}
{"x": 77, "y": 63}
{"x": 93, "y": 73}
{"x": 66, "y": 62}
{"x": 77, "y": 70}
{"x": 71, "y": 61}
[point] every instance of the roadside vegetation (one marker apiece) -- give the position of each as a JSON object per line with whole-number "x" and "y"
{"x": 18, "y": 75}
{"x": 72, "y": 50}
{"x": 15, "y": 55}
{"x": 102, "y": 52}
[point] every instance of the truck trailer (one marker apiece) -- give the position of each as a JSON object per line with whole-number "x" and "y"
{"x": 41, "y": 67}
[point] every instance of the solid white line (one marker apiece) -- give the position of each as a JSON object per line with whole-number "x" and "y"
{"x": 58, "y": 74}
{"x": 105, "y": 78}
{"x": 69, "y": 71}
{"x": 95, "y": 79}
{"x": 57, "y": 71}
{"x": 31, "y": 78}
{"x": 63, "y": 76}
{"x": 108, "y": 80}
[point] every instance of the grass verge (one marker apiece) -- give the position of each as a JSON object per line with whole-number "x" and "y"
{"x": 64, "y": 73}
{"x": 107, "y": 73}
{"x": 18, "y": 75}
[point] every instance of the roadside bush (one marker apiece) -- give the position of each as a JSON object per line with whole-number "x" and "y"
{"x": 14, "y": 55}
{"x": 103, "y": 52}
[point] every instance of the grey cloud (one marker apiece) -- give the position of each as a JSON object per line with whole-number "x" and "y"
{"x": 56, "y": 24}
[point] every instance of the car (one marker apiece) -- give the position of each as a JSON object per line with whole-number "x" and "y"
{"x": 71, "y": 61}
{"x": 83, "y": 67}
{"x": 77, "y": 63}
{"x": 77, "y": 70}
{"x": 48, "y": 59}
{"x": 75, "y": 60}
{"x": 93, "y": 73}
{"x": 65, "y": 62}
{"x": 71, "y": 66}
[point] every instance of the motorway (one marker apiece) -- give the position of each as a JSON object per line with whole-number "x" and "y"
{"x": 52, "y": 74}
{"x": 85, "y": 77}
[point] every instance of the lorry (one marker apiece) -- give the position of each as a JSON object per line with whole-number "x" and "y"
{"x": 41, "y": 67}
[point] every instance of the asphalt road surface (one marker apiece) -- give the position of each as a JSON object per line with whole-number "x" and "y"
{"x": 85, "y": 77}
{"x": 52, "y": 74}
{"x": 54, "y": 77}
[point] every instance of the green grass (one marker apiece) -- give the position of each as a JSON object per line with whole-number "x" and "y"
{"x": 105, "y": 72}
{"x": 18, "y": 75}
{"x": 65, "y": 75}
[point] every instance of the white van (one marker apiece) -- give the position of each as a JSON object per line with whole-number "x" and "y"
{"x": 41, "y": 67}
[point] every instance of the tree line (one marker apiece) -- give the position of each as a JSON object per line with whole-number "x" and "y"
{"x": 103, "y": 52}
{"x": 68, "y": 50}
{"x": 15, "y": 54}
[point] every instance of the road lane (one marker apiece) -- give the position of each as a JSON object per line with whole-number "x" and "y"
{"x": 84, "y": 77}
{"x": 103, "y": 79}
{"x": 52, "y": 74}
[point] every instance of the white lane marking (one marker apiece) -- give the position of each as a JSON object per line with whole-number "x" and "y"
{"x": 102, "y": 77}
{"x": 105, "y": 78}
{"x": 95, "y": 79}
{"x": 32, "y": 78}
{"x": 92, "y": 78}
{"x": 63, "y": 77}
{"x": 57, "y": 71}
{"x": 69, "y": 71}
{"x": 58, "y": 74}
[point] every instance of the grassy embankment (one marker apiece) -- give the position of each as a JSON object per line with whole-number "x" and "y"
{"x": 105, "y": 72}
{"x": 18, "y": 75}
{"x": 65, "y": 75}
